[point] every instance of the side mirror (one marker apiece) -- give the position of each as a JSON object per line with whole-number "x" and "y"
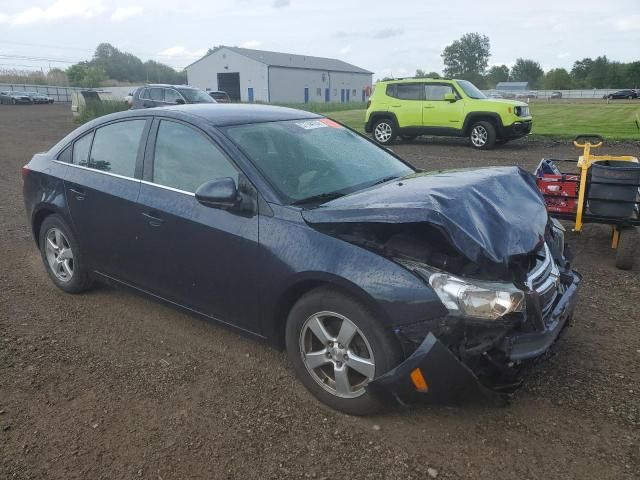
{"x": 179, "y": 101}
{"x": 450, "y": 97}
{"x": 219, "y": 193}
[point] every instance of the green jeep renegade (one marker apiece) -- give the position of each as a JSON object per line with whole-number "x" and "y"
{"x": 422, "y": 106}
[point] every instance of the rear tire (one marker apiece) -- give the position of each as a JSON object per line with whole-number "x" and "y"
{"x": 627, "y": 248}
{"x": 482, "y": 135}
{"x": 61, "y": 256}
{"x": 384, "y": 131}
{"x": 354, "y": 348}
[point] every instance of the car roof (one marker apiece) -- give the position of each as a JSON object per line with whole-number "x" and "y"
{"x": 167, "y": 85}
{"x": 221, "y": 114}
{"x": 416, "y": 79}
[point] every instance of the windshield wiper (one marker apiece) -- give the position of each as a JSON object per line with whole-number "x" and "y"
{"x": 322, "y": 197}
{"x": 384, "y": 180}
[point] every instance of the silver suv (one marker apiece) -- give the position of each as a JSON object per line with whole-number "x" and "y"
{"x": 151, "y": 96}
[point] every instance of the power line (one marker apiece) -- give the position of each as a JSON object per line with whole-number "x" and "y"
{"x": 146, "y": 54}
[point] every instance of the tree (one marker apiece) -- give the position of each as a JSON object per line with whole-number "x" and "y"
{"x": 527, "y": 71}
{"x": 581, "y": 70}
{"x": 599, "y": 74}
{"x": 497, "y": 73}
{"x": 633, "y": 74}
{"x": 422, "y": 74}
{"x": 94, "y": 77}
{"x": 467, "y": 58}
{"x": 77, "y": 72}
{"x": 557, "y": 79}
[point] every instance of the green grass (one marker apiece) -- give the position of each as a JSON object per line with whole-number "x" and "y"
{"x": 325, "y": 107}
{"x": 613, "y": 121}
{"x": 97, "y": 109}
{"x": 563, "y": 120}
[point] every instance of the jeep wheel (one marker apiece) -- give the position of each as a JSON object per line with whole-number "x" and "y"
{"x": 384, "y": 131}
{"x": 482, "y": 135}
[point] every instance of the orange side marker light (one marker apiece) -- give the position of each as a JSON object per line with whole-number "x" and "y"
{"x": 418, "y": 380}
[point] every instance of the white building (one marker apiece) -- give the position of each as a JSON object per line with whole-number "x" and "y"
{"x": 255, "y": 75}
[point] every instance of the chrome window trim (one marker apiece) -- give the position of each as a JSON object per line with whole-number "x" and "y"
{"x": 177, "y": 190}
{"x": 97, "y": 171}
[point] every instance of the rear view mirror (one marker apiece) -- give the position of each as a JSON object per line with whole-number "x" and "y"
{"x": 450, "y": 97}
{"x": 218, "y": 193}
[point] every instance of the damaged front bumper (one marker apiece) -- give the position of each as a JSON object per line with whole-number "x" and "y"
{"x": 433, "y": 373}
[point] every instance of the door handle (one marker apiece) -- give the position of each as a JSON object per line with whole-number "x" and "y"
{"x": 78, "y": 193}
{"x": 153, "y": 220}
{"x": 429, "y": 106}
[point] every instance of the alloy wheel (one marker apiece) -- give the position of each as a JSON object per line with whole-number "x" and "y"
{"x": 383, "y": 132}
{"x": 336, "y": 354}
{"x": 479, "y": 136}
{"x": 59, "y": 254}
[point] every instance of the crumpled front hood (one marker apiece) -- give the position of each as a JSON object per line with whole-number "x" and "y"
{"x": 487, "y": 213}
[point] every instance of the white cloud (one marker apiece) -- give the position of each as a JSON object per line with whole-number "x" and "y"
{"x": 121, "y": 13}
{"x": 628, "y": 23}
{"x": 281, "y": 3}
{"x": 56, "y": 11}
{"x": 181, "y": 52}
{"x": 251, "y": 44}
{"x": 344, "y": 50}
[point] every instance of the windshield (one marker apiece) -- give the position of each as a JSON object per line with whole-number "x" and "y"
{"x": 194, "y": 95}
{"x": 307, "y": 159}
{"x": 470, "y": 89}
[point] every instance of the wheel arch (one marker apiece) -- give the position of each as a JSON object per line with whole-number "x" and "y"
{"x": 302, "y": 284}
{"x": 375, "y": 116}
{"x": 474, "y": 117}
{"x": 40, "y": 214}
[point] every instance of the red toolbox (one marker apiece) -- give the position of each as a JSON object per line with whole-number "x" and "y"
{"x": 560, "y": 190}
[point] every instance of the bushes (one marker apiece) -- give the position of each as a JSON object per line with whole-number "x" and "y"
{"x": 97, "y": 109}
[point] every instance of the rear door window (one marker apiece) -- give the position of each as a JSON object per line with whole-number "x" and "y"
{"x": 405, "y": 91}
{"x": 115, "y": 147}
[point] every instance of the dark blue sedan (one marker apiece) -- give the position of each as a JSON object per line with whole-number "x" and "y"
{"x": 381, "y": 281}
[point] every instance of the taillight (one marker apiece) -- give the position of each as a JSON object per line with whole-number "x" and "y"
{"x": 368, "y": 103}
{"x": 25, "y": 172}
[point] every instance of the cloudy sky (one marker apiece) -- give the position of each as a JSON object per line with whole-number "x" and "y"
{"x": 387, "y": 37}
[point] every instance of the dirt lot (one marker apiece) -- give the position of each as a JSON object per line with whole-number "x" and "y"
{"x": 111, "y": 385}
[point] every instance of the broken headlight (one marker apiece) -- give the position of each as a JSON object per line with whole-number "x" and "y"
{"x": 472, "y": 298}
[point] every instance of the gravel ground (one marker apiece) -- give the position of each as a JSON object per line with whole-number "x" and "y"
{"x": 112, "y": 385}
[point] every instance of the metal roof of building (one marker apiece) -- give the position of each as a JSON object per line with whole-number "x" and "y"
{"x": 290, "y": 60}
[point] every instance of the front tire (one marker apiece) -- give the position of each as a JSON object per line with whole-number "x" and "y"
{"x": 482, "y": 135}
{"x": 384, "y": 131}
{"x": 61, "y": 256}
{"x": 336, "y": 346}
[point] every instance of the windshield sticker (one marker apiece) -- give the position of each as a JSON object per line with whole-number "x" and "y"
{"x": 330, "y": 123}
{"x": 311, "y": 124}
